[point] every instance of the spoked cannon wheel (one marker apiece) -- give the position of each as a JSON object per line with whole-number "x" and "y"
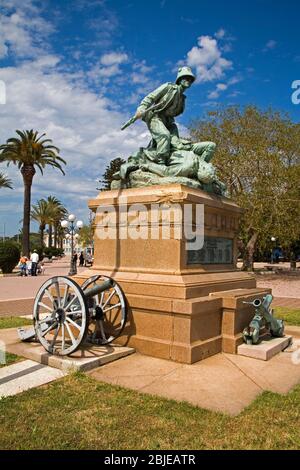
{"x": 60, "y": 315}
{"x": 108, "y": 310}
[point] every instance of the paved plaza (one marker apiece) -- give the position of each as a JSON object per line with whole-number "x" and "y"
{"x": 17, "y": 293}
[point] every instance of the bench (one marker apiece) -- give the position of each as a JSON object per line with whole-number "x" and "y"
{"x": 273, "y": 267}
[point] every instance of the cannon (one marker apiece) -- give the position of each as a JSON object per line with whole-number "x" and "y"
{"x": 262, "y": 319}
{"x": 65, "y": 314}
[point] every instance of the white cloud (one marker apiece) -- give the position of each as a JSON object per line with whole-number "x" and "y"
{"x": 108, "y": 66}
{"x": 222, "y": 86}
{"x": 220, "y": 33}
{"x": 271, "y": 44}
{"x": 207, "y": 59}
{"x": 213, "y": 95}
{"x": 78, "y": 121}
{"x": 113, "y": 58}
{"x": 21, "y": 33}
{"x": 141, "y": 76}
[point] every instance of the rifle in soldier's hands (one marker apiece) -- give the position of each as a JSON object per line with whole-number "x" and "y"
{"x": 139, "y": 115}
{"x": 132, "y": 120}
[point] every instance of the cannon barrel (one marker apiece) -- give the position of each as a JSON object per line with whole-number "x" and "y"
{"x": 98, "y": 288}
{"x": 256, "y": 303}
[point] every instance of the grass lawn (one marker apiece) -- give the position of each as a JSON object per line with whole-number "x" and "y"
{"x": 291, "y": 316}
{"x": 10, "y": 359}
{"x": 12, "y": 322}
{"x": 77, "y": 412}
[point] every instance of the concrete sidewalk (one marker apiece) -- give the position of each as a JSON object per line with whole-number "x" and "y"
{"x": 24, "y": 375}
{"x": 225, "y": 383}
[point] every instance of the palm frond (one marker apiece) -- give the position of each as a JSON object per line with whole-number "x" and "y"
{"x": 5, "y": 182}
{"x": 31, "y": 149}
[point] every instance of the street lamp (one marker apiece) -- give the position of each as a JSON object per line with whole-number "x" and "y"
{"x": 70, "y": 223}
{"x": 273, "y": 240}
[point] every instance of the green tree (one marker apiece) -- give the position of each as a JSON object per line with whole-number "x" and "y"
{"x": 112, "y": 168}
{"x": 27, "y": 152}
{"x": 41, "y": 213}
{"x": 257, "y": 157}
{"x": 57, "y": 212}
{"x": 5, "y": 182}
{"x": 86, "y": 235}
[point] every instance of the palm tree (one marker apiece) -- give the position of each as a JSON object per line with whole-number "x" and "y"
{"x": 57, "y": 212}
{"x": 5, "y": 182}
{"x": 41, "y": 214}
{"x": 27, "y": 152}
{"x": 48, "y": 211}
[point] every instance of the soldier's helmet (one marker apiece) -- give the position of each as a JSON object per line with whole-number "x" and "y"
{"x": 184, "y": 72}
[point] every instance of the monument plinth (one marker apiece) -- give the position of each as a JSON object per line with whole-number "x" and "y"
{"x": 184, "y": 304}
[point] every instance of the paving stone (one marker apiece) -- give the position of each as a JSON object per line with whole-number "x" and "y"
{"x": 280, "y": 374}
{"x": 24, "y": 375}
{"x": 266, "y": 349}
{"x": 85, "y": 358}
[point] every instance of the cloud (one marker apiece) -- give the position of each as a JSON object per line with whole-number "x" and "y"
{"x": 104, "y": 25}
{"x": 220, "y": 33}
{"x": 142, "y": 77}
{"x": 207, "y": 59}
{"x": 271, "y": 44}
{"x": 225, "y": 40}
{"x": 22, "y": 34}
{"x": 213, "y": 95}
{"x": 81, "y": 123}
{"x": 43, "y": 94}
{"x": 113, "y": 58}
{"x": 108, "y": 66}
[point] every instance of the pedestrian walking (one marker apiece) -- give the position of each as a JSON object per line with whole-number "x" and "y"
{"x": 75, "y": 258}
{"x": 23, "y": 265}
{"x": 34, "y": 260}
{"x": 28, "y": 267}
{"x": 81, "y": 259}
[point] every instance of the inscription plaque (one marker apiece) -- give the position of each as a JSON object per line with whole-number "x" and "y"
{"x": 216, "y": 250}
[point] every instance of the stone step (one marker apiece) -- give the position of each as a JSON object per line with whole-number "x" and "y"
{"x": 266, "y": 349}
{"x": 86, "y": 358}
{"x": 24, "y": 375}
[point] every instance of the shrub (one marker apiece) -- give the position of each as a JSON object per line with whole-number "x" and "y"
{"x": 9, "y": 256}
{"x": 50, "y": 252}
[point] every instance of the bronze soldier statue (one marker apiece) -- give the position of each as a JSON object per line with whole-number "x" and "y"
{"x": 168, "y": 155}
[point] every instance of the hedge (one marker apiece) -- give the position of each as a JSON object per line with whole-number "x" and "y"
{"x": 9, "y": 256}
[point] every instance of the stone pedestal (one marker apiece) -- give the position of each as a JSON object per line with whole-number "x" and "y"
{"x": 266, "y": 349}
{"x": 184, "y": 304}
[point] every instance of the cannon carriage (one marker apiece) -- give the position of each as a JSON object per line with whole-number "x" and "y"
{"x": 65, "y": 314}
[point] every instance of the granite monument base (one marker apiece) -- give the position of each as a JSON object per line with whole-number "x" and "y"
{"x": 184, "y": 304}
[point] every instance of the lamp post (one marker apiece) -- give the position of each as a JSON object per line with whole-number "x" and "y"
{"x": 70, "y": 223}
{"x": 273, "y": 240}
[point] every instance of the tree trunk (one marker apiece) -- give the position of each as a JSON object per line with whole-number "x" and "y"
{"x": 28, "y": 173}
{"x": 249, "y": 252}
{"x": 42, "y": 228}
{"x": 50, "y": 236}
{"x": 55, "y": 236}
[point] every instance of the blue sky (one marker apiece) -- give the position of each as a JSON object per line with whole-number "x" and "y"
{"x": 77, "y": 70}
